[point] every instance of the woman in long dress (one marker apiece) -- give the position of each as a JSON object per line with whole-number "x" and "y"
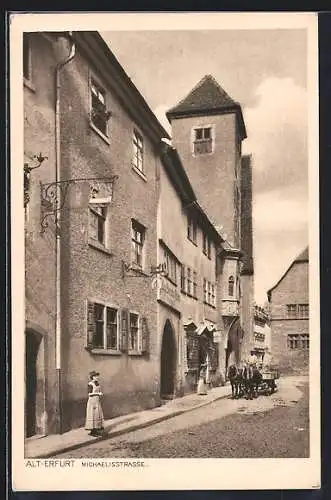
{"x": 94, "y": 414}
{"x": 202, "y": 386}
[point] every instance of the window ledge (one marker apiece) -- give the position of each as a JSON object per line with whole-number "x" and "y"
{"x": 198, "y": 155}
{"x": 192, "y": 241}
{"x": 139, "y": 172}
{"x": 98, "y": 246}
{"x": 138, "y": 270}
{"x": 103, "y": 352}
{"x": 209, "y": 305}
{"x": 170, "y": 280}
{"x": 135, "y": 353}
{"x": 27, "y": 83}
{"x": 101, "y": 134}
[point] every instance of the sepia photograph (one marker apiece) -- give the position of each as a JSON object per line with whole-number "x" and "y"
{"x": 165, "y": 283}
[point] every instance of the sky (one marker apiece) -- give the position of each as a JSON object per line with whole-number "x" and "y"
{"x": 264, "y": 70}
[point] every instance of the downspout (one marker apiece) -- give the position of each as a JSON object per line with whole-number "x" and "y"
{"x": 58, "y": 315}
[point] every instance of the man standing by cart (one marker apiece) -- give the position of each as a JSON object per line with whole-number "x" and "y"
{"x": 266, "y": 362}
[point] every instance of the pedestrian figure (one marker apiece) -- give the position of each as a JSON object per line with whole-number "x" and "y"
{"x": 202, "y": 385}
{"x": 266, "y": 359}
{"x": 94, "y": 415}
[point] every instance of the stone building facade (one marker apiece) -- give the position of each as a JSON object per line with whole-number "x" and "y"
{"x": 42, "y": 383}
{"x": 262, "y": 337}
{"x": 289, "y": 310}
{"x": 187, "y": 294}
{"x": 89, "y": 300}
{"x": 127, "y": 270}
{"x": 207, "y": 130}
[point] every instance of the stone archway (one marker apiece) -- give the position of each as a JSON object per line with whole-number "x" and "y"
{"x": 34, "y": 394}
{"x": 168, "y": 361}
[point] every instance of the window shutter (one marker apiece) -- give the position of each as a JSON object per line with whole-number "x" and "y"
{"x": 124, "y": 329}
{"x": 90, "y": 324}
{"x": 144, "y": 335}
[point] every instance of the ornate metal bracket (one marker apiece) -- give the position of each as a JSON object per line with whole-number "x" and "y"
{"x": 161, "y": 269}
{"x": 27, "y": 171}
{"x": 53, "y": 197}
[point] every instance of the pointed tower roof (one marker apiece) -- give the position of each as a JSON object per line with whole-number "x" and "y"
{"x": 207, "y": 97}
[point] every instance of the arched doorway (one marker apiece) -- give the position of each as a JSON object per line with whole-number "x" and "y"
{"x": 168, "y": 361}
{"x": 232, "y": 350}
{"x": 32, "y": 345}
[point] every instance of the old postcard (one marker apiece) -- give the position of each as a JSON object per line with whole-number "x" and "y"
{"x": 165, "y": 274}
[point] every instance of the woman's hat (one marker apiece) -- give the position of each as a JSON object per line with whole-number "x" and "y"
{"x": 93, "y": 373}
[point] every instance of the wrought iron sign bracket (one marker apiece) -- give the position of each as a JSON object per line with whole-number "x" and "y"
{"x": 53, "y": 197}
{"x": 160, "y": 270}
{"x": 27, "y": 171}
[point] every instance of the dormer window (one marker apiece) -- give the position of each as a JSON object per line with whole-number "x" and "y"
{"x": 202, "y": 140}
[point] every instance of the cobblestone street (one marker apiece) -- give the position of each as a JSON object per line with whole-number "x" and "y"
{"x": 268, "y": 427}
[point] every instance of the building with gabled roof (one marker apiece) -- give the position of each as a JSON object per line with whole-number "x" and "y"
{"x": 289, "y": 315}
{"x": 207, "y": 97}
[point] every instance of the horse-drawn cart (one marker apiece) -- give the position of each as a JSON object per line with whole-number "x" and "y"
{"x": 268, "y": 382}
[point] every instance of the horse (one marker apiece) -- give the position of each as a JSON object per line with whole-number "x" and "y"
{"x": 252, "y": 379}
{"x": 235, "y": 376}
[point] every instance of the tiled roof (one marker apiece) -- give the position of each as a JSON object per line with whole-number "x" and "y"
{"x": 303, "y": 256}
{"x": 205, "y": 96}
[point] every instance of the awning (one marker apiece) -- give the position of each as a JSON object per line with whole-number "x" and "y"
{"x": 188, "y": 323}
{"x": 205, "y": 327}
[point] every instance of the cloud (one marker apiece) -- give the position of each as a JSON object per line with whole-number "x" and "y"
{"x": 277, "y": 134}
{"x": 280, "y": 222}
{"x": 280, "y": 211}
{"x": 277, "y": 139}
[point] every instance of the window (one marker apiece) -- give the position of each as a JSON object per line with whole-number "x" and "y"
{"x": 138, "y": 151}
{"x": 206, "y": 245}
{"x": 26, "y": 56}
{"x": 303, "y": 310}
{"x": 291, "y": 310}
{"x": 231, "y": 286}
{"x": 191, "y": 229}
{"x": 205, "y": 291}
{"x": 189, "y": 281}
{"x": 134, "y": 332}
{"x": 213, "y": 296}
{"x": 202, "y": 141}
{"x": 182, "y": 278}
{"x": 296, "y": 341}
{"x": 209, "y": 295}
{"x": 137, "y": 241}
{"x": 305, "y": 341}
{"x": 171, "y": 263}
{"x": 97, "y": 223}
{"x": 293, "y": 341}
{"x": 195, "y": 284}
{"x": 105, "y": 327}
{"x": 99, "y": 113}
{"x": 111, "y": 328}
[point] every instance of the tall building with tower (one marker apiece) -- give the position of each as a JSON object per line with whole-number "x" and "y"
{"x": 208, "y": 130}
